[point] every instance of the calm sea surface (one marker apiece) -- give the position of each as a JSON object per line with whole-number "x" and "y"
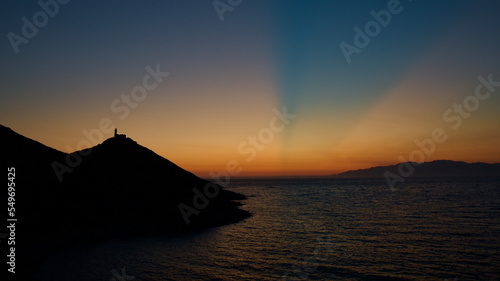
{"x": 317, "y": 229}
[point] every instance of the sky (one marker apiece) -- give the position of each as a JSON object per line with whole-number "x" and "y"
{"x": 259, "y": 88}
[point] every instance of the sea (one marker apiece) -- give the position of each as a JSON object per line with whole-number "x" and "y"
{"x": 316, "y": 229}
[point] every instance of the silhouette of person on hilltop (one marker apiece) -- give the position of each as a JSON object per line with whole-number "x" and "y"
{"x": 116, "y": 132}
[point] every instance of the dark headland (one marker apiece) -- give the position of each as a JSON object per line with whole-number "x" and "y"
{"x": 434, "y": 169}
{"x": 115, "y": 189}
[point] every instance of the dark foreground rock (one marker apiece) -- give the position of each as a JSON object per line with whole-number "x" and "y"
{"x": 116, "y": 189}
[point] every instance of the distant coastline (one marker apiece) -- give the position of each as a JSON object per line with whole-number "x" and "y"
{"x": 434, "y": 169}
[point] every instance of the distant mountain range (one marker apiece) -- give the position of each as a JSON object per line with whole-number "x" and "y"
{"x": 115, "y": 189}
{"x": 435, "y": 169}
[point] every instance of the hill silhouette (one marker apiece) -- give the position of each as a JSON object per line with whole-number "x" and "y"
{"x": 115, "y": 189}
{"x": 434, "y": 169}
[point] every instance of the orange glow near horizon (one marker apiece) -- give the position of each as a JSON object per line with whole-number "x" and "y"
{"x": 306, "y": 147}
{"x": 315, "y": 143}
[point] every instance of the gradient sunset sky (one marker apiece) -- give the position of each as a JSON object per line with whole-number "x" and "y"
{"x": 226, "y": 77}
